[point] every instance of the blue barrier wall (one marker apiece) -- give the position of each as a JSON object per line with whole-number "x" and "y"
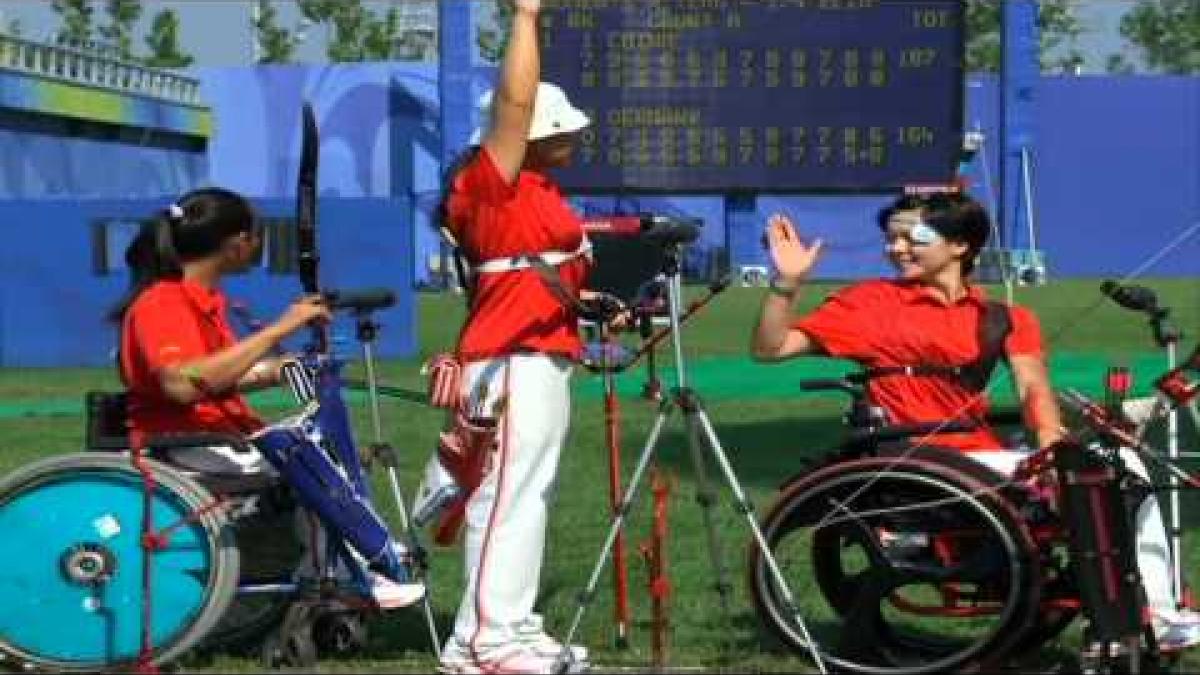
{"x": 52, "y": 302}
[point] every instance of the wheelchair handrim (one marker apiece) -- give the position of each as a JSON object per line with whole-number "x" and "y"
{"x": 54, "y": 619}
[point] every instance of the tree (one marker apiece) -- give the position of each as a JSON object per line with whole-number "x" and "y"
{"x": 380, "y": 40}
{"x": 1057, "y": 24}
{"x": 122, "y": 17}
{"x": 356, "y": 34}
{"x": 275, "y": 44}
{"x": 491, "y": 41}
{"x": 76, "y": 18}
{"x": 1117, "y": 64}
{"x": 163, "y": 42}
{"x": 1167, "y": 33}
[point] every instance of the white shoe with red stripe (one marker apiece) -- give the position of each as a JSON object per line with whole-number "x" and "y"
{"x": 514, "y": 658}
{"x": 531, "y": 633}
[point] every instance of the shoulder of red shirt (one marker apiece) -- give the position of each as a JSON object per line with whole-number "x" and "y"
{"x": 170, "y": 292}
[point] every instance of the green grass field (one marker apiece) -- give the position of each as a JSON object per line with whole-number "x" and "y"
{"x": 768, "y": 429}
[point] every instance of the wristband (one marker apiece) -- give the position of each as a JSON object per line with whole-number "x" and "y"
{"x": 786, "y": 291}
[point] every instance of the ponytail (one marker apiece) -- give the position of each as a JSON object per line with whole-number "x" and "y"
{"x": 192, "y": 228}
{"x": 150, "y": 257}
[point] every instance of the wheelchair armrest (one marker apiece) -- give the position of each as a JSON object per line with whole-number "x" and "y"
{"x": 161, "y": 442}
{"x": 851, "y": 383}
{"x": 1006, "y": 417}
{"x": 899, "y": 432}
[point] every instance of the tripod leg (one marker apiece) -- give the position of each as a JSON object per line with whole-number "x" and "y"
{"x": 743, "y": 505}
{"x": 417, "y": 550}
{"x": 618, "y": 522}
{"x": 706, "y": 498}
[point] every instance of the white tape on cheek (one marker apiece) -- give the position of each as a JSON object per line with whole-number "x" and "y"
{"x": 923, "y": 234}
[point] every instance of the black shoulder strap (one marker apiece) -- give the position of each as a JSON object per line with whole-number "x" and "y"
{"x": 994, "y": 326}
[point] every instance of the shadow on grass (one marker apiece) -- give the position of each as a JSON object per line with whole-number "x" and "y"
{"x": 763, "y": 454}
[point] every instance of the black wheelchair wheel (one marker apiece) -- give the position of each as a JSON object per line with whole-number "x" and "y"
{"x": 900, "y": 565}
{"x": 270, "y": 550}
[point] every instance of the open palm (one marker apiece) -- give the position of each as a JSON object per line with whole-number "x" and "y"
{"x": 792, "y": 257}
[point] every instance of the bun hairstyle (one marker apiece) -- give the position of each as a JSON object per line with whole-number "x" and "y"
{"x": 193, "y": 227}
{"x": 954, "y": 215}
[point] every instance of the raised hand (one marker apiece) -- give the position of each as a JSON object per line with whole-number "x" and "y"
{"x": 793, "y": 258}
{"x": 533, "y": 6}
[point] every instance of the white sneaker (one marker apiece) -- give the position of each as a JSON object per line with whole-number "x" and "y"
{"x": 1176, "y": 630}
{"x": 515, "y": 659}
{"x": 389, "y": 594}
{"x": 532, "y": 635}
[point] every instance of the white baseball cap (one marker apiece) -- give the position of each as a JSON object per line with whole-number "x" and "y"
{"x": 553, "y": 114}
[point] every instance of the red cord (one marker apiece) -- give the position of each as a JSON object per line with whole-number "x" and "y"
{"x": 151, "y": 542}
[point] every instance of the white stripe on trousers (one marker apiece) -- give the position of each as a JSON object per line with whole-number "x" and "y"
{"x": 507, "y": 514}
{"x": 1153, "y": 549}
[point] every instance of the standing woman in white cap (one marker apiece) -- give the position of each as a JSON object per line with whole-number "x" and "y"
{"x": 517, "y": 347}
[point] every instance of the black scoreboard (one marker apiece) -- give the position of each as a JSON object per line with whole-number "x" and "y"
{"x": 759, "y": 95}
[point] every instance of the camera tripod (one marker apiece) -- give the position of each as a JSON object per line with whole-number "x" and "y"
{"x": 698, "y": 427}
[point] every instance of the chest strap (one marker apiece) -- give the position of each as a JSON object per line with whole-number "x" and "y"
{"x": 529, "y": 260}
{"x": 994, "y": 326}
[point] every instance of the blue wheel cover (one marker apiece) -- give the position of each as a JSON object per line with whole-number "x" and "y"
{"x": 49, "y": 616}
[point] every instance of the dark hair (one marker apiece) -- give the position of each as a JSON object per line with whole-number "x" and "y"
{"x": 193, "y": 227}
{"x": 954, "y": 215}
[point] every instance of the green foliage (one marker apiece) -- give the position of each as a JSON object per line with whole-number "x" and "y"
{"x": 163, "y": 42}
{"x": 491, "y": 41}
{"x": 356, "y": 34}
{"x": 1057, "y": 23}
{"x": 122, "y": 17}
{"x": 1167, "y": 32}
{"x": 1117, "y": 64}
{"x": 76, "y": 18}
{"x": 275, "y": 44}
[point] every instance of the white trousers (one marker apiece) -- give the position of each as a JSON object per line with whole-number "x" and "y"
{"x": 1153, "y": 547}
{"x": 507, "y": 514}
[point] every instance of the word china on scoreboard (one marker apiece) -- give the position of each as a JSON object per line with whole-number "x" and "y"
{"x": 759, "y": 95}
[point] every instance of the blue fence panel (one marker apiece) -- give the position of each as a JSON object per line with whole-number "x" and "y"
{"x": 52, "y": 301}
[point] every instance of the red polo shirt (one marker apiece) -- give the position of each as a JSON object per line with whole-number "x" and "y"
{"x": 170, "y": 323}
{"x": 515, "y": 311}
{"x": 885, "y": 323}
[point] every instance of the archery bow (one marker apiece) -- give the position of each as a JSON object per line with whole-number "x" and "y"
{"x": 306, "y": 211}
{"x": 306, "y": 202}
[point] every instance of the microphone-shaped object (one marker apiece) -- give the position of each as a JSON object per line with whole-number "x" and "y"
{"x": 671, "y": 230}
{"x": 662, "y": 229}
{"x": 360, "y": 299}
{"x": 1137, "y": 298}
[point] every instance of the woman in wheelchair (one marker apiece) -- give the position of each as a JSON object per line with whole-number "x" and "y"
{"x": 184, "y": 368}
{"x": 928, "y": 340}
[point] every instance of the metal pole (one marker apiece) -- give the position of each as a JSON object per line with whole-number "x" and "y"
{"x": 1027, "y": 189}
{"x": 1173, "y": 454}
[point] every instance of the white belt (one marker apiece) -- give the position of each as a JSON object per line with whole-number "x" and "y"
{"x": 526, "y": 260}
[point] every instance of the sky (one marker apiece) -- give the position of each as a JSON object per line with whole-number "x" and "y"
{"x": 218, "y": 33}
